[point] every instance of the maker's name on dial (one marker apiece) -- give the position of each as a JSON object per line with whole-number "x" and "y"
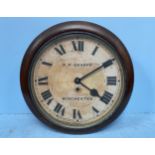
{"x": 78, "y": 98}
{"x": 78, "y": 64}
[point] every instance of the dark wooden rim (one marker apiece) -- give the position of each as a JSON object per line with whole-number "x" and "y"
{"x": 68, "y": 27}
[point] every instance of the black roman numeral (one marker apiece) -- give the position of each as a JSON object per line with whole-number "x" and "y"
{"x": 96, "y": 110}
{"x": 43, "y": 81}
{"x": 46, "y": 63}
{"x": 108, "y": 63}
{"x": 60, "y": 50}
{"x": 106, "y": 97}
{"x": 46, "y": 94}
{"x": 76, "y": 114}
{"x": 78, "y": 45}
{"x": 49, "y": 101}
{"x": 111, "y": 80}
{"x": 59, "y": 109}
{"x": 95, "y": 50}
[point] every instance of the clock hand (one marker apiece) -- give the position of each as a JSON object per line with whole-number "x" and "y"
{"x": 93, "y": 92}
{"x": 105, "y": 64}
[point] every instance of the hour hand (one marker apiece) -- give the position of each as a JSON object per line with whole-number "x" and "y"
{"x": 93, "y": 92}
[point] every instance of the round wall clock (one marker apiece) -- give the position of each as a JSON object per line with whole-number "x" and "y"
{"x": 77, "y": 77}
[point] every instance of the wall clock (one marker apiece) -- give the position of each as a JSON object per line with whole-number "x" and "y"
{"x": 77, "y": 77}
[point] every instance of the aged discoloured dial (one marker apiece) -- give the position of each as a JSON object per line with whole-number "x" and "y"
{"x": 77, "y": 80}
{"x": 76, "y": 77}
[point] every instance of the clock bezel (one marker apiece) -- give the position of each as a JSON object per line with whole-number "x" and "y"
{"x": 82, "y": 27}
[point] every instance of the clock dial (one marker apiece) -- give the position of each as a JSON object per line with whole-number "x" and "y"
{"x": 77, "y": 80}
{"x": 77, "y": 77}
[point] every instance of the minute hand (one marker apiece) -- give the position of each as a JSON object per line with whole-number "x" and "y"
{"x": 105, "y": 64}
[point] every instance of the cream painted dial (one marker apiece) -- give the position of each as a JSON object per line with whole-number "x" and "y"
{"x": 77, "y": 80}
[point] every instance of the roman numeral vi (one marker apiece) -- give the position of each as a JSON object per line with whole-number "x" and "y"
{"x": 76, "y": 114}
